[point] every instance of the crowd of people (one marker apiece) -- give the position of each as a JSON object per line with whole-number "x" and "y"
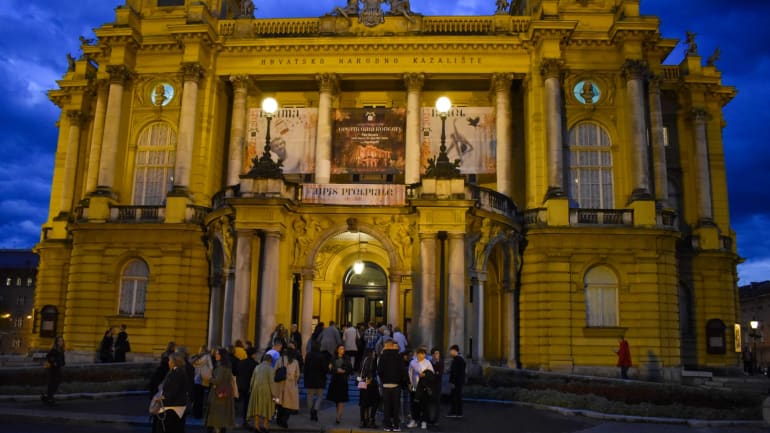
{"x": 263, "y": 386}
{"x": 114, "y": 346}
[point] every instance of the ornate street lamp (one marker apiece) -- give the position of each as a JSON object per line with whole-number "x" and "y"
{"x": 441, "y": 166}
{"x": 358, "y": 266}
{"x": 754, "y": 323}
{"x": 264, "y": 166}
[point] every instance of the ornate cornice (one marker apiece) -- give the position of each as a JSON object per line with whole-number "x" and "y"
{"x": 551, "y": 68}
{"x": 699, "y": 115}
{"x": 119, "y": 74}
{"x": 192, "y": 71}
{"x": 414, "y": 81}
{"x": 77, "y": 117}
{"x": 634, "y": 69}
{"x": 328, "y": 83}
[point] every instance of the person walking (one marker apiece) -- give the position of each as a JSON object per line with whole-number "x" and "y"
{"x": 54, "y": 362}
{"x": 245, "y": 372}
{"x": 287, "y": 391}
{"x": 350, "y": 340}
{"x": 174, "y": 392}
{"x": 106, "y": 346}
{"x": 624, "y": 357}
{"x": 369, "y": 391}
{"x": 400, "y": 339}
{"x": 275, "y": 351}
{"x": 456, "y": 382}
{"x": 330, "y": 339}
{"x": 316, "y": 367}
{"x": 221, "y": 409}
{"x": 122, "y": 346}
{"x": 315, "y": 336}
{"x": 420, "y": 370}
{"x": 203, "y": 371}
{"x": 340, "y": 369}
{"x": 371, "y": 335}
{"x": 261, "y": 403}
{"x": 295, "y": 336}
{"x": 392, "y": 373}
{"x": 434, "y": 408}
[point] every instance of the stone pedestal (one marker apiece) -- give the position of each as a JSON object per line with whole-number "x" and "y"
{"x": 443, "y": 189}
{"x": 99, "y": 208}
{"x": 557, "y": 212}
{"x": 176, "y": 208}
{"x": 645, "y": 213}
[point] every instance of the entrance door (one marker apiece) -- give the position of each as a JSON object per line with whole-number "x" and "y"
{"x": 364, "y": 295}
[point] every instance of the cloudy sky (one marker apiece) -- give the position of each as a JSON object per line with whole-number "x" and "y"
{"x": 37, "y": 34}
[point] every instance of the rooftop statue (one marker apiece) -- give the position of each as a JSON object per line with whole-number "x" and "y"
{"x": 692, "y": 47}
{"x": 502, "y": 7}
{"x": 350, "y": 9}
{"x": 712, "y": 60}
{"x": 371, "y": 13}
{"x": 401, "y": 7}
{"x": 247, "y": 9}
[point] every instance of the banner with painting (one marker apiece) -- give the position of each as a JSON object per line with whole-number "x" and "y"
{"x": 470, "y": 137}
{"x": 292, "y": 138}
{"x": 369, "y": 141}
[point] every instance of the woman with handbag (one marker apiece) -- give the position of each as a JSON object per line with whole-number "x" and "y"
{"x": 221, "y": 409}
{"x": 287, "y": 387}
{"x": 261, "y": 405}
{"x": 171, "y": 401}
{"x": 338, "y": 386}
{"x": 369, "y": 391}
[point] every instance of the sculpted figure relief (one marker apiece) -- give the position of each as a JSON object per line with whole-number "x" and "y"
{"x": 350, "y": 9}
{"x": 401, "y": 7}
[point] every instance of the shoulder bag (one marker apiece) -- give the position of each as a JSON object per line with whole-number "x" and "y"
{"x": 280, "y": 372}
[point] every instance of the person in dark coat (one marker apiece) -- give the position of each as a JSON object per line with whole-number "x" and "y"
{"x": 106, "y": 346}
{"x": 393, "y": 375}
{"x": 340, "y": 369}
{"x": 295, "y": 336}
{"x": 122, "y": 346}
{"x": 158, "y": 376}
{"x": 456, "y": 382}
{"x": 369, "y": 391}
{"x": 316, "y": 367}
{"x": 245, "y": 370}
{"x": 175, "y": 394}
{"x": 54, "y": 363}
{"x": 220, "y": 413}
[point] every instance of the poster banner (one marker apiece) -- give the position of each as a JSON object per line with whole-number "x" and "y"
{"x": 470, "y": 137}
{"x": 355, "y": 194}
{"x": 369, "y": 140}
{"x": 292, "y": 138}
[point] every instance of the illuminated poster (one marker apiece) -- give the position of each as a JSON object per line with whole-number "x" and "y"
{"x": 470, "y": 137}
{"x": 292, "y": 138}
{"x": 369, "y": 140}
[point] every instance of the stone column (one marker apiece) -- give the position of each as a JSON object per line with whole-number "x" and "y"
{"x": 703, "y": 170}
{"x": 510, "y": 325}
{"x": 634, "y": 72}
{"x": 237, "y": 128}
{"x": 97, "y": 134}
{"x": 241, "y": 296}
{"x": 323, "y": 152}
{"x": 394, "y": 295}
{"x": 426, "y": 320}
{"x": 550, "y": 69}
{"x": 119, "y": 75}
{"x": 215, "y": 315}
{"x": 306, "y": 325}
{"x": 268, "y": 295}
{"x": 478, "y": 318}
{"x": 76, "y": 119}
{"x": 192, "y": 73}
{"x": 658, "y": 142}
{"x": 456, "y": 291}
{"x": 414, "y": 84}
{"x": 501, "y": 84}
{"x": 227, "y": 312}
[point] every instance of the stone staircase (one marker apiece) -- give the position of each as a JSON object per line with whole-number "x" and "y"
{"x": 759, "y": 384}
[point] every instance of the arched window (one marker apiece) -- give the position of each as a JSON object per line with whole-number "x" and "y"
{"x": 601, "y": 297}
{"x": 133, "y": 288}
{"x": 155, "y": 155}
{"x": 590, "y": 166}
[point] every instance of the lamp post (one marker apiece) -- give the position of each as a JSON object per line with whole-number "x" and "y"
{"x": 754, "y": 323}
{"x": 441, "y": 166}
{"x": 264, "y": 166}
{"x": 358, "y": 266}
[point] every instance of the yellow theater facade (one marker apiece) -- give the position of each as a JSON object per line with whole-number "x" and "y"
{"x": 578, "y": 195}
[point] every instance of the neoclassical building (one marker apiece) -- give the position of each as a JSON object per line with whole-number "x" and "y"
{"x": 578, "y": 194}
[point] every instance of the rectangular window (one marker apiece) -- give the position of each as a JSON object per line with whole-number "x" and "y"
{"x": 21, "y": 300}
{"x": 18, "y": 322}
{"x": 601, "y": 306}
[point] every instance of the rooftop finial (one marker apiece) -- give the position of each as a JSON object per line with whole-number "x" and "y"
{"x": 692, "y": 47}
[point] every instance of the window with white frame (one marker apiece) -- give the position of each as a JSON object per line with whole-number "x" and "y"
{"x": 133, "y": 288}
{"x": 155, "y": 156}
{"x": 590, "y": 166}
{"x": 601, "y": 287}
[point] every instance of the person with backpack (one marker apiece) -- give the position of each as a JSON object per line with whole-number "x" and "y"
{"x": 203, "y": 366}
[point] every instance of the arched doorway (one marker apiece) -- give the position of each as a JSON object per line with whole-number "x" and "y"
{"x": 364, "y": 295}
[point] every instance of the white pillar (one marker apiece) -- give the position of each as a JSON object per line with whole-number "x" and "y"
{"x": 237, "y": 128}
{"x": 501, "y": 83}
{"x": 119, "y": 74}
{"x": 426, "y": 321}
{"x": 394, "y": 295}
{"x": 76, "y": 119}
{"x": 658, "y": 142}
{"x": 97, "y": 134}
{"x": 634, "y": 72}
{"x": 456, "y": 291}
{"x": 227, "y": 311}
{"x": 241, "y": 297}
{"x": 268, "y": 295}
{"x": 215, "y": 315}
{"x": 307, "y": 308}
{"x": 478, "y": 318}
{"x": 414, "y": 84}
{"x": 510, "y": 325}
{"x": 323, "y": 152}
{"x": 551, "y": 72}
{"x": 703, "y": 170}
{"x": 192, "y": 73}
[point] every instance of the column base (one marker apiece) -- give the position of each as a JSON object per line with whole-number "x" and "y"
{"x": 63, "y": 216}
{"x": 645, "y": 214}
{"x": 179, "y": 191}
{"x": 99, "y": 208}
{"x": 554, "y": 192}
{"x": 176, "y": 208}
{"x": 103, "y": 191}
{"x": 640, "y": 194}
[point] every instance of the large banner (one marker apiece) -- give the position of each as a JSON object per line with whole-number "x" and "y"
{"x": 470, "y": 137}
{"x": 355, "y": 194}
{"x": 369, "y": 140}
{"x": 292, "y": 138}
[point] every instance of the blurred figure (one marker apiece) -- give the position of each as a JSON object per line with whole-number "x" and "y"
{"x": 122, "y": 346}
{"x": 261, "y": 404}
{"x": 316, "y": 367}
{"x": 221, "y": 409}
{"x": 106, "y": 346}
{"x": 340, "y": 369}
{"x": 204, "y": 368}
{"x": 456, "y": 382}
{"x": 54, "y": 362}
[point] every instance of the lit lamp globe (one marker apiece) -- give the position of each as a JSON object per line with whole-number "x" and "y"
{"x": 443, "y": 104}
{"x": 358, "y": 267}
{"x": 754, "y": 324}
{"x": 269, "y": 106}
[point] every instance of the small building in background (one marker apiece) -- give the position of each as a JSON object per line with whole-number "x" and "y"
{"x": 755, "y": 306}
{"x": 17, "y": 295}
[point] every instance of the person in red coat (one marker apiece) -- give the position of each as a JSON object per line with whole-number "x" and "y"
{"x": 624, "y": 357}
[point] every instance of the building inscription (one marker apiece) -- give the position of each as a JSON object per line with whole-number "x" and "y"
{"x": 355, "y": 194}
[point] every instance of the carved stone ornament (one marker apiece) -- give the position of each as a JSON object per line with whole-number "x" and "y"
{"x": 414, "y": 81}
{"x": 306, "y": 232}
{"x": 119, "y": 74}
{"x": 192, "y": 71}
{"x": 634, "y": 69}
{"x": 372, "y": 14}
{"x": 551, "y": 68}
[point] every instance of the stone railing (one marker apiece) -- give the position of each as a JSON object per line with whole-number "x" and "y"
{"x": 196, "y": 214}
{"x": 137, "y": 214}
{"x": 457, "y": 25}
{"x": 287, "y": 27}
{"x": 614, "y": 217}
{"x": 671, "y": 72}
{"x": 492, "y": 201}
{"x": 536, "y": 216}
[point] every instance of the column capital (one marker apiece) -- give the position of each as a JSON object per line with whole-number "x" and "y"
{"x": 328, "y": 83}
{"x": 395, "y": 276}
{"x": 240, "y": 82}
{"x": 433, "y": 235}
{"x": 76, "y": 117}
{"x": 272, "y": 234}
{"x": 699, "y": 115}
{"x": 479, "y": 276}
{"x": 307, "y": 274}
{"x": 456, "y": 235}
{"x": 414, "y": 81}
{"x": 634, "y": 69}
{"x": 119, "y": 74}
{"x": 501, "y": 81}
{"x": 551, "y": 68}
{"x": 192, "y": 71}
{"x": 654, "y": 82}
